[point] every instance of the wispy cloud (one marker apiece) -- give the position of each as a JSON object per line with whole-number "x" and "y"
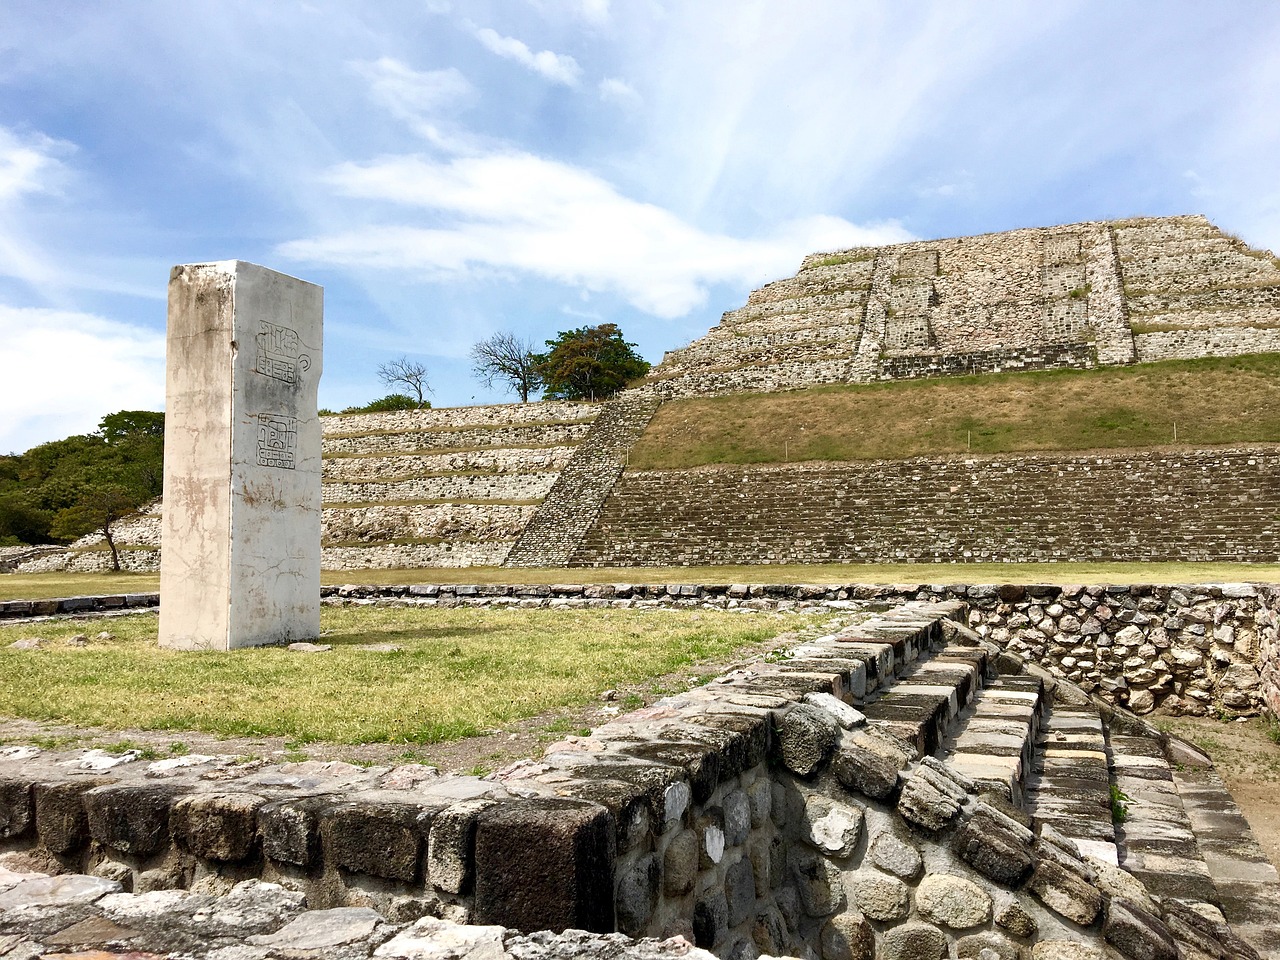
{"x": 556, "y": 67}
{"x": 519, "y": 213}
{"x": 30, "y": 163}
{"x": 78, "y": 368}
{"x": 416, "y": 97}
{"x": 618, "y": 91}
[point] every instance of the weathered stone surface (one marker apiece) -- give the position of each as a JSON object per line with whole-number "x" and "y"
{"x": 847, "y": 936}
{"x": 381, "y": 839}
{"x": 638, "y": 894}
{"x": 323, "y": 929}
{"x": 896, "y": 855}
{"x": 451, "y": 846}
{"x": 680, "y": 864}
{"x": 952, "y": 901}
{"x": 847, "y": 716}
{"x": 17, "y": 811}
{"x": 806, "y": 737}
{"x": 545, "y": 864}
{"x": 861, "y": 770}
{"x": 1017, "y": 919}
{"x": 923, "y": 803}
{"x": 995, "y": 845}
{"x": 217, "y": 826}
{"x": 131, "y": 819}
{"x": 43, "y": 892}
{"x": 986, "y": 946}
{"x": 878, "y": 895}
{"x": 737, "y": 817}
{"x": 710, "y": 920}
{"x": 740, "y": 891}
{"x": 1137, "y": 933}
{"x": 1065, "y": 950}
{"x": 834, "y": 828}
{"x": 818, "y": 882}
{"x": 430, "y": 937}
{"x": 912, "y": 941}
{"x": 1065, "y": 892}
{"x": 290, "y": 829}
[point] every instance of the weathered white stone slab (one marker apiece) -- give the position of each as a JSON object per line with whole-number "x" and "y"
{"x": 241, "y": 532}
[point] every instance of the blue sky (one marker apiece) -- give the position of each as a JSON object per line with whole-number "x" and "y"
{"x": 448, "y": 170}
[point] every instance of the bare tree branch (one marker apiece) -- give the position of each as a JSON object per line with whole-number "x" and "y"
{"x": 506, "y": 358}
{"x": 407, "y": 373}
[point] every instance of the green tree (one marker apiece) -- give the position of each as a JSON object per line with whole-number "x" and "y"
{"x": 590, "y": 363}
{"x": 64, "y": 489}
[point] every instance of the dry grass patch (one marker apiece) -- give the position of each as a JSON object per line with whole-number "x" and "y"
{"x": 1213, "y": 401}
{"x": 458, "y": 672}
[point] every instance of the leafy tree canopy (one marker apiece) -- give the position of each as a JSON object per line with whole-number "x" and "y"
{"x": 391, "y": 403}
{"x": 590, "y": 363}
{"x": 63, "y": 489}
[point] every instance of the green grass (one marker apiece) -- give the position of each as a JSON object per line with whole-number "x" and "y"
{"x": 458, "y": 673}
{"x": 34, "y": 586}
{"x": 1213, "y": 401}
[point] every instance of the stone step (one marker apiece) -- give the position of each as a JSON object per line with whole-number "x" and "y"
{"x": 924, "y": 700}
{"x": 994, "y": 745}
{"x": 1155, "y": 838}
{"x": 1070, "y": 788}
{"x": 1247, "y": 883}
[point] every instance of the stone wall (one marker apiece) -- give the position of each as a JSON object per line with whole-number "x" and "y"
{"x": 1194, "y": 505}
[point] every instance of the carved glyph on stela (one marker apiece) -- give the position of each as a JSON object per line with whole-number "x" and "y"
{"x": 277, "y": 441}
{"x": 279, "y": 352}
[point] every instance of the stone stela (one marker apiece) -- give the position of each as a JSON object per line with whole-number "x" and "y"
{"x": 241, "y": 532}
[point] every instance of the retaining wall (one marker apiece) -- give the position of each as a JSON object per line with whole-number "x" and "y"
{"x": 1199, "y": 505}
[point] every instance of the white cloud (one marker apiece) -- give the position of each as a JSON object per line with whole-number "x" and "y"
{"x": 619, "y": 91}
{"x": 75, "y": 369}
{"x": 556, "y": 67}
{"x": 29, "y": 164}
{"x": 415, "y": 96}
{"x": 525, "y": 214}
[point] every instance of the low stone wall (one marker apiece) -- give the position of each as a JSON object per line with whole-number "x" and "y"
{"x": 545, "y": 411}
{"x": 502, "y": 435}
{"x": 1219, "y": 342}
{"x": 450, "y": 486}
{"x": 1186, "y": 505}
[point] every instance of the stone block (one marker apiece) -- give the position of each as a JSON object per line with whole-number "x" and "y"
{"x": 818, "y": 883}
{"x": 680, "y": 863}
{"x": 451, "y": 846}
{"x": 710, "y": 920}
{"x": 878, "y": 895}
{"x": 1065, "y": 892}
{"x": 847, "y": 936}
{"x": 130, "y": 819}
{"x": 912, "y": 941}
{"x": 217, "y": 826}
{"x": 806, "y": 736}
{"x": 740, "y": 891}
{"x": 61, "y": 821}
{"x": 952, "y": 901}
{"x": 378, "y": 838}
{"x": 17, "y": 810}
{"x": 289, "y": 830}
{"x": 637, "y": 896}
{"x": 545, "y": 864}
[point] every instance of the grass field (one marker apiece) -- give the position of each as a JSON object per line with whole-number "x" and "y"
{"x": 458, "y": 672}
{"x": 1212, "y": 401}
{"x": 33, "y": 586}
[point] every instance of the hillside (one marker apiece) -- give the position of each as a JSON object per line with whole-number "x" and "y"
{"x": 1211, "y": 401}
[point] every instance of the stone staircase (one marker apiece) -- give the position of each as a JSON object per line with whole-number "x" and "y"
{"x": 555, "y": 532}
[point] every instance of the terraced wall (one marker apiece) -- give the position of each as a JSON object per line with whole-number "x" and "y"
{"x": 1200, "y": 505}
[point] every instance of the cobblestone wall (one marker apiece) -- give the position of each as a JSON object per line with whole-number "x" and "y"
{"x": 1143, "y": 506}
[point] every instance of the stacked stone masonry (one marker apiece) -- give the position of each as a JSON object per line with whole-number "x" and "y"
{"x": 451, "y": 487}
{"x": 876, "y": 792}
{"x": 1078, "y": 295}
{"x": 1189, "y": 505}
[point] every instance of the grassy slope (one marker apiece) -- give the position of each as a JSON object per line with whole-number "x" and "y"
{"x": 458, "y": 672}
{"x": 1212, "y": 401}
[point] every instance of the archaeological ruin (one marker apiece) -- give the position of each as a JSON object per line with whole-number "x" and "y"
{"x": 961, "y": 771}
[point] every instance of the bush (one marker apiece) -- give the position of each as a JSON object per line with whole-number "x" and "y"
{"x": 390, "y": 404}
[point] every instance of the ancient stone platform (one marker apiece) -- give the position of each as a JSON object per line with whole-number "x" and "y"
{"x": 898, "y": 787}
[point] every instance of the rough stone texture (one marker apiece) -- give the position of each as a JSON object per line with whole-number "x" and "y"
{"x": 217, "y": 826}
{"x": 913, "y": 941}
{"x": 952, "y": 901}
{"x": 879, "y": 896}
{"x": 545, "y": 864}
{"x": 806, "y": 737}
